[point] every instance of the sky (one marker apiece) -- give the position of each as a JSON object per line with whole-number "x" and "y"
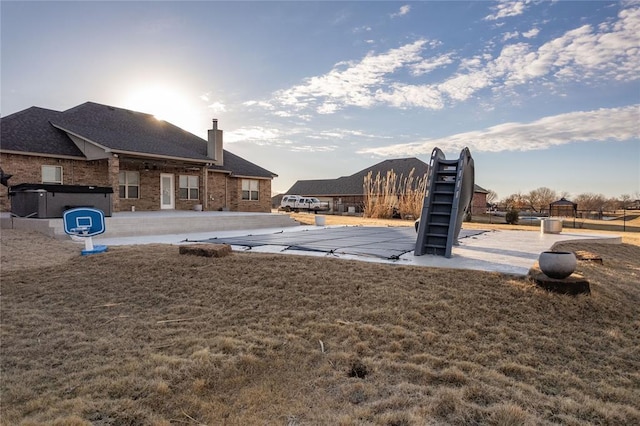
{"x": 544, "y": 93}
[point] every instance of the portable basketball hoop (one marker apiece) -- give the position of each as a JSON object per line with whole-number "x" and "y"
{"x": 85, "y": 223}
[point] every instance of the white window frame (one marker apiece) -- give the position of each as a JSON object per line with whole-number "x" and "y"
{"x": 253, "y": 194}
{"x": 190, "y": 186}
{"x": 127, "y": 184}
{"x": 54, "y": 170}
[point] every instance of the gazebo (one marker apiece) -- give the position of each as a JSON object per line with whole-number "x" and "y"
{"x": 563, "y": 208}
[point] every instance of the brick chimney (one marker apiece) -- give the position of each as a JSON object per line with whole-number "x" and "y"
{"x": 214, "y": 144}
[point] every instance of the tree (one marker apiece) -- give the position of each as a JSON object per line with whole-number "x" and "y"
{"x": 590, "y": 201}
{"x": 564, "y": 194}
{"x": 539, "y": 199}
{"x": 515, "y": 201}
{"x": 492, "y": 196}
{"x": 611, "y": 204}
{"x": 625, "y": 199}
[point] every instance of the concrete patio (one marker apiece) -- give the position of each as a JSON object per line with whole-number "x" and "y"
{"x": 511, "y": 252}
{"x": 163, "y": 222}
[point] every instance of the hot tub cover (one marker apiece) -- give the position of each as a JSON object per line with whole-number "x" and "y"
{"x": 68, "y": 189}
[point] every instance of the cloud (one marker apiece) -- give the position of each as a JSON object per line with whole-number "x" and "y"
{"x": 291, "y": 139}
{"x": 406, "y": 96}
{"x": 403, "y": 11}
{"x": 362, "y": 29}
{"x": 342, "y": 134}
{"x": 586, "y": 54}
{"x": 254, "y": 134}
{"x": 532, "y": 33}
{"x": 430, "y": 64}
{"x": 217, "y": 107}
{"x": 262, "y": 104}
{"x": 351, "y": 86}
{"x": 313, "y": 148}
{"x": 510, "y": 35}
{"x": 610, "y": 52}
{"x": 613, "y": 124}
{"x": 507, "y": 9}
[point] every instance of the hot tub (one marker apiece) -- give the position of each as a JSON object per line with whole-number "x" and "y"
{"x": 38, "y": 200}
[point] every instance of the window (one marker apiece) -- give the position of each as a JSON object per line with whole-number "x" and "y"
{"x": 250, "y": 189}
{"x": 52, "y": 174}
{"x": 129, "y": 184}
{"x": 189, "y": 188}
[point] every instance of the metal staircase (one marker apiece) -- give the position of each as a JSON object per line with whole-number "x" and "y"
{"x": 447, "y": 201}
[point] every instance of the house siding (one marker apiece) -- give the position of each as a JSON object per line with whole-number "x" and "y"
{"x": 220, "y": 192}
{"x": 479, "y": 203}
{"x": 262, "y": 205}
{"x": 28, "y": 169}
{"x": 149, "y": 191}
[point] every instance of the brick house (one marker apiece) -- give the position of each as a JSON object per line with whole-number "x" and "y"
{"x": 149, "y": 163}
{"x": 347, "y": 191}
{"x": 479, "y": 202}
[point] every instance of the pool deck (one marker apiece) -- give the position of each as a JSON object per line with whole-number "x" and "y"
{"x": 509, "y": 252}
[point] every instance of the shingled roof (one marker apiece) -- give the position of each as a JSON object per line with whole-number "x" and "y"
{"x": 42, "y": 131}
{"x": 30, "y": 131}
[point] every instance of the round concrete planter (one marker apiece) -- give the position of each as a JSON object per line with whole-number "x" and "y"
{"x": 557, "y": 264}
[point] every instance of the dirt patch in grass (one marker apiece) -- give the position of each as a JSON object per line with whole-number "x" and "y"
{"x": 143, "y": 335}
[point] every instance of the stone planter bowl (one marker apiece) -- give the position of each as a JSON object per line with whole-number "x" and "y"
{"x": 557, "y": 264}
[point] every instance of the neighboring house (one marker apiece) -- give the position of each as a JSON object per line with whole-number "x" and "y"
{"x": 479, "y": 202}
{"x": 348, "y": 192}
{"x": 149, "y": 163}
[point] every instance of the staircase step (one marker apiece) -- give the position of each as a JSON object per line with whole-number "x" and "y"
{"x": 446, "y": 183}
{"x": 436, "y": 246}
{"x": 437, "y": 235}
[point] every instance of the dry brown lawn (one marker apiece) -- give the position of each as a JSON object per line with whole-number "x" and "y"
{"x": 141, "y": 335}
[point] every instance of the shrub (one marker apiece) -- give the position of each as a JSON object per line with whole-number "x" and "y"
{"x": 512, "y": 217}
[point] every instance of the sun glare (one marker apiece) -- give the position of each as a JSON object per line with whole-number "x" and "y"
{"x": 168, "y": 104}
